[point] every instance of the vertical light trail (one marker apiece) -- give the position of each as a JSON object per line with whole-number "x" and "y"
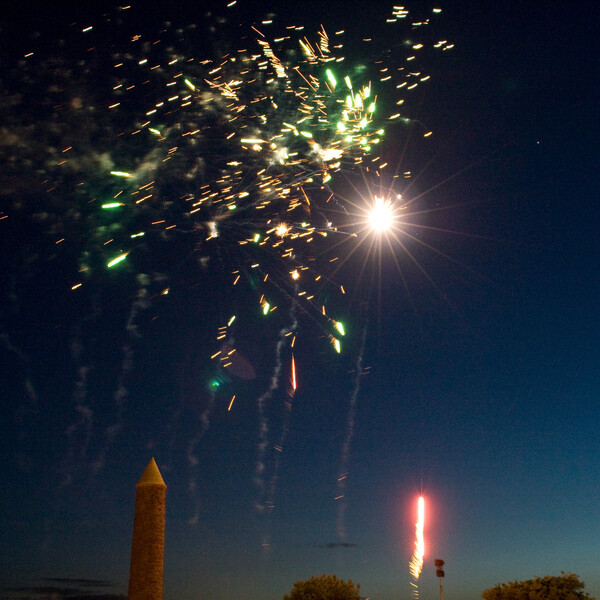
{"x": 416, "y": 562}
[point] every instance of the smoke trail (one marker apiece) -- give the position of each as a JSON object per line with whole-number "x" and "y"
{"x": 347, "y": 445}
{"x": 193, "y": 461}
{"x": 79, "y": 433}
{"x": 264, "y": 495}
{"x": 27, "y": 409}
{"x": 122, "y": 393}
{"x": 278, "y": 448}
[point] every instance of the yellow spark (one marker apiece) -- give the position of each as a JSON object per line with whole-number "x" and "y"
{"x": 336, "y": 344}
{"x": 281, "y": 230}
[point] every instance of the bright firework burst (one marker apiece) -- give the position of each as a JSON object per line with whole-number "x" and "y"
{"x": 381, "y": 215}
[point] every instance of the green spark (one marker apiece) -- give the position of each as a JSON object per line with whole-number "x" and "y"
{"x": 265, "y": 308}
{"x": 190, "y": 85}
{"x": 109, "y": 205}
{"x": 340, "y": 327}
{"x": 337, "y": 345}
{"x": 121, "y": 174}
{"x": 117, "y": 260}
{"x": 331, "y": 78}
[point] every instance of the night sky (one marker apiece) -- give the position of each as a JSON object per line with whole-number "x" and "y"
{"x": 468, "y": 373}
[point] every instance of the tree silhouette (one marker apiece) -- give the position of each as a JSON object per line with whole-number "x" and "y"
{"x": 324, "y": 587}
{"x": 566, "y": 587}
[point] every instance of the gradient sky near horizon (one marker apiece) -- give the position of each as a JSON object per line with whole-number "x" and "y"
{"x": 481, "y": 381}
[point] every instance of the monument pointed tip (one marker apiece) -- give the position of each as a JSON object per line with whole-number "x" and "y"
{"x": 151, "y": 476}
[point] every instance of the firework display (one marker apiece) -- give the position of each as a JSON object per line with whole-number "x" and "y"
{"x": 211, "y": 155}
{"x": 237, "y": 152}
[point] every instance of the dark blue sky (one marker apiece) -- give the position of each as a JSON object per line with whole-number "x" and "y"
{"x": 482, "y": 386}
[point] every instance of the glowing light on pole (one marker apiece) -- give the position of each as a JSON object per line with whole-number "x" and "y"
{"x": 416, "y": 562}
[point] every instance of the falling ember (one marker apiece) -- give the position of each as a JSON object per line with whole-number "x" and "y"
{"x": 293, "y": 373}
{"x": 231, "y": 403}
{"x": 416, "y": 562}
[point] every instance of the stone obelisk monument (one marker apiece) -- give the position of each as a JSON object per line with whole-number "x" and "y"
{"x": 147, "y": 547}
